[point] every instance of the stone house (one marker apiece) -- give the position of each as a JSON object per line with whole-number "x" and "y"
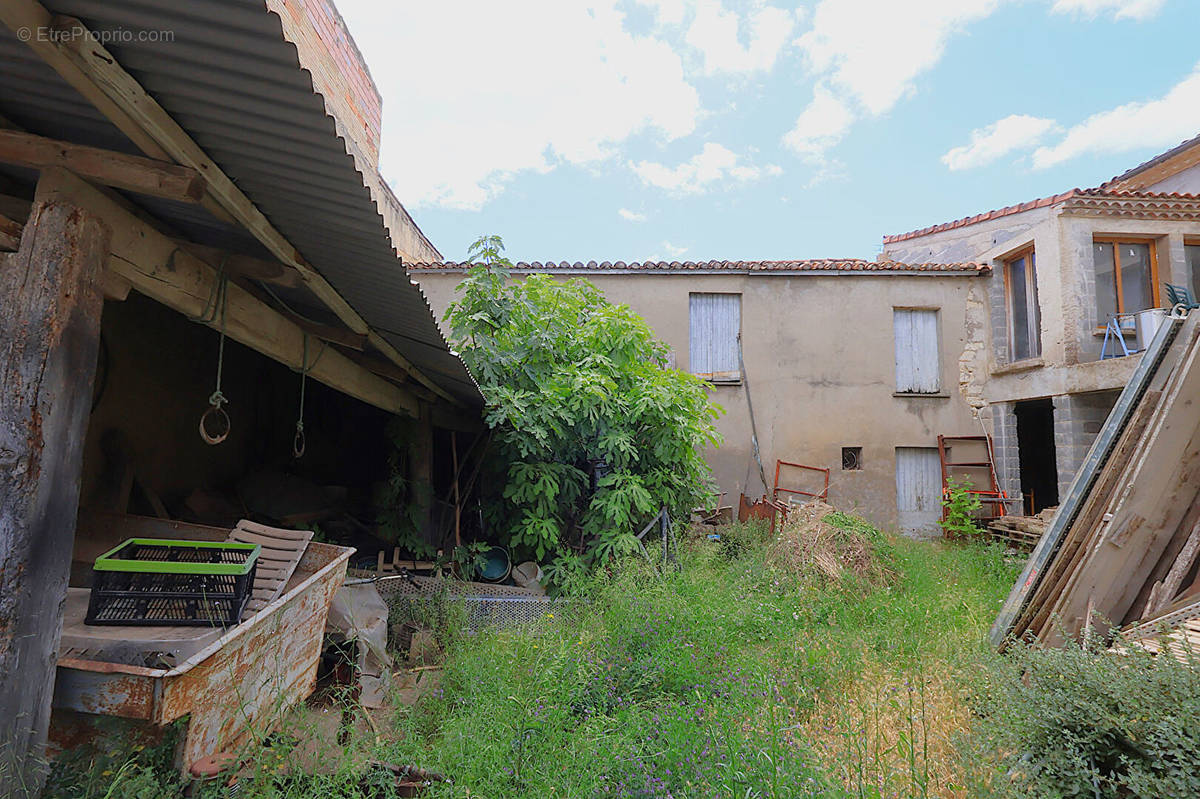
{"x": 1062, "y": 269}
{"x": 1008, "y": 309}
{"x": 852, "y": 366}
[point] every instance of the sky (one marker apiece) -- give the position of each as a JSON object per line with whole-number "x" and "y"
{"x": 752, "y": 129}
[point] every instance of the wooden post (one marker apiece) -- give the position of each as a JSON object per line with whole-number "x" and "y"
{"x": 420, "y": 460}
{"x": 457, "y": 503}
{"x": 51, "y": 293}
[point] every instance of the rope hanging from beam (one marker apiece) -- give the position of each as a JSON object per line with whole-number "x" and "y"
{"x": 214, "y": 308}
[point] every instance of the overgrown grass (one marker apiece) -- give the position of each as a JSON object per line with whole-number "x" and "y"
{"x": 732, "y": 677}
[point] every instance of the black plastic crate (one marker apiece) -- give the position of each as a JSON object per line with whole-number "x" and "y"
{"x": 147, "y": 582}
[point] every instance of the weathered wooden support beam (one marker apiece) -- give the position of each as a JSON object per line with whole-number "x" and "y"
{"x": 272, "y": 272}
{"x": 330, "y": 333}
{"x": 157, "y": 266}
{"x": 10, "y": 233}
{"x": 121, "y": 171}
{"x": 49, "y": 336}
{"x": 97, "y": 75}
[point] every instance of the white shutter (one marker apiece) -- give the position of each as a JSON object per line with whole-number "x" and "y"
{"x": 918, "y": 369}
{"x": 715, "y": 320}
{"x": 918, "y": 490}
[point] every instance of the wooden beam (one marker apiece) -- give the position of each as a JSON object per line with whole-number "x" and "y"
{"x": 260, "y": 269}
{"x": 329, "y": 333}
{"x": 385, "y": 368}
{"x": 16, "y": 207}
{"x": 49, "y": 338}
{"x": 121, "y": 171}
{"x": 84, "y": 63}
{"x": 158, "y": 267}
{"x": 10, "y": 233}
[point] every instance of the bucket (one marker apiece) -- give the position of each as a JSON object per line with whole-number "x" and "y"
{"x": 496, "y": 567}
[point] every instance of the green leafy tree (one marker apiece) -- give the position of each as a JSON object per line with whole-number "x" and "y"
{"x": 572, "y": 380}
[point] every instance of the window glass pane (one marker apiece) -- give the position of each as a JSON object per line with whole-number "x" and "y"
{"x": 1019, "y": 302}
{"x": 1136, "y": 285}
{"x": 1193, "y": 260}
{"x": 1106, "y": 282}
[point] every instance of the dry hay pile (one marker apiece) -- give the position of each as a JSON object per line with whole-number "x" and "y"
{"x": 816, "y": 539}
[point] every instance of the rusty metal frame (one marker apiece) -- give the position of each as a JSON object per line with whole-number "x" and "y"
{"x": 781, "y": 508}
{"x": 823, "y": 494}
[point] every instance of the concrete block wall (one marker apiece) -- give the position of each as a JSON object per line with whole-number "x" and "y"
{"x": 998, "y": 316}
{"x": 1077, "y": 420}
{"x": 1006, "y": 454}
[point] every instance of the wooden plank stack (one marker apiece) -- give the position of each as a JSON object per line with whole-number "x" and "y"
{"x": 1124, "y": 549}
{"x": 1020, "y": 532}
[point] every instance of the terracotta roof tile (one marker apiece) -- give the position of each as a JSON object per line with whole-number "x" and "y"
{"x": 1041, "y": 202}
{"x": 1101, "y": 201}
{"x": 1155, "y": 161}
{"x": 855, "y": 265}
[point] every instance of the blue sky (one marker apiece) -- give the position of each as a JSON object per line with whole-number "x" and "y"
{"x": 746, "y": 129}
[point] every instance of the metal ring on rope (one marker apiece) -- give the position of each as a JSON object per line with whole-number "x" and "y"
{"x": 298, "y": 442}
{"x": 217, "y": 413}
{"x": 1179, "y": 311}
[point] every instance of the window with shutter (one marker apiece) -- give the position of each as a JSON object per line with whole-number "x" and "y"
{"x": 918, "y": 369}
{"x": 715, "y": 320}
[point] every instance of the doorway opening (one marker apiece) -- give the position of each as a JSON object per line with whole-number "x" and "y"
{"x": 1036, "y": 455}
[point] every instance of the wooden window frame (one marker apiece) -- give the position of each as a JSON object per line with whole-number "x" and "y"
{"x": 1116, "y": 240}
{"x": 1032, "y": 313}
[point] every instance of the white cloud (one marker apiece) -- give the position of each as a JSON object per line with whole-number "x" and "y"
{"x": 713, "y": 164}
{"x": 630, "y": 216}
{"x": 820, "y": 126}
{"x": 1120, "y": 9}
{"x": 1015, "y": 132}
{"x": 667, "y": 12}
{"x": 715, "y": 32}
{"x": 866, "y": 56}
{"x": 475, "y": 94}
{"x": 672, "y": 250}
{"x": 1163, "y": 122}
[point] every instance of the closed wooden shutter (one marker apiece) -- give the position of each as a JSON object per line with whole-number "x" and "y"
{"x": 716, "y": 320}
{"x": 918, "y": 369}
{"x": 918, "y": 490}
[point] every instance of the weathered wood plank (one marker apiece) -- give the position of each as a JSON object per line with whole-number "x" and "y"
{"x": 49, "y": 336}
{"x": 121, "y": 171}
{"x": 158, "y": 267}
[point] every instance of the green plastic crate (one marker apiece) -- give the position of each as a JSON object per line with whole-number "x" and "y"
{"x": 156, "y": 581}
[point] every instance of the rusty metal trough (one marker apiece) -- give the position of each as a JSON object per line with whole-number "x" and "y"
{"x": 242, "y": 681}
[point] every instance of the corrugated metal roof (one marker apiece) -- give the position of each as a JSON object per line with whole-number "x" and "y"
{"x": 235, "y": 85}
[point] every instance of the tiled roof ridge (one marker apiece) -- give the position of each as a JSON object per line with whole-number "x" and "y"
{"x": 1041, "y": 202}
{"x": 1151, "y": 162}
{"x": 802, "y": 265}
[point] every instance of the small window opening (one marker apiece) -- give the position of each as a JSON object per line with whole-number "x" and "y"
{"x": 851, "y": 459}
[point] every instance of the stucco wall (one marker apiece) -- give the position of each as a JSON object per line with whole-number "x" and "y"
{"x": 820, "y": 356}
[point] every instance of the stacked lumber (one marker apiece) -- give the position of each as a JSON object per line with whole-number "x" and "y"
{"x": 1122, "y": 550}
{"x": 1020, "y": 532}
